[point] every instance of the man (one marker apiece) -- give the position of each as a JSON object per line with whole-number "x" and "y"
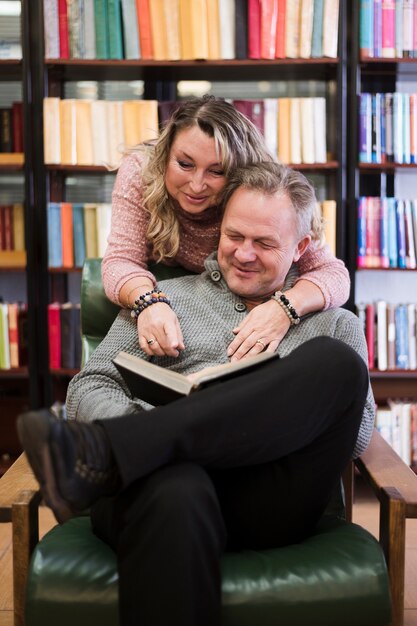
{"x": 248, "y": 463}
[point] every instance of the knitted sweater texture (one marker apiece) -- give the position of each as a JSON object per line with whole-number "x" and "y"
{"x": 128, "y": 253}
{"x": 207, "y": 313}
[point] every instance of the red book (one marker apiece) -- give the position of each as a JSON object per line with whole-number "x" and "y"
{"x": 13, "y": 334}
{"x": 17, "y": 126}
{"x": 254, "y": 29}
{"x": 63, "y": 29}
{"x": 370, "y": 334}
{"x": 280, "y": 40}
{"x": 8, "y": 227}
{"x": 269, "y": 16}
{"x": 145, "y": 30}
{"x": 54, "y": 335}
{"x": 254, "y": 110}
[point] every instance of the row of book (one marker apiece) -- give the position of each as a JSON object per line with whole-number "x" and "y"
{"x": 190, "y": 29}
{"x": 11, "y": 128}
{"x": 387, "y": 233}
{"x": 76, "y": 231}
{"x": 12, "y": 226}
{"x": 397, "y": 424}
{"x": 96, "y": 132}
{"x": 64, "y": 335}
{"x": 390, "y": 331}
{"x": 388, "y": 128}
{"x": 13, "y": 335}
{"x": 388, "y": 28}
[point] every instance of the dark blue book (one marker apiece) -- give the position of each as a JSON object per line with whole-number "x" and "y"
{"x": 79, "y": 234}
{"x": 54, "y": 234}
{"x": 401, "y": 337}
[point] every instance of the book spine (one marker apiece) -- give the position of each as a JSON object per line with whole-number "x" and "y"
{"x": 401, "y": 234}
{"x": 144, "y": 29}
{"x": 13, "y": 335}
{"x": 408, "y": 21}
{"x": 389, "y": 139}
{"x": 317, "y": 35}
{"x": 241, "y": 28}
{"x": 54, "y": 336}
{"x": 381, "y": 312}
{"x": 89, "y": 29}
{"x": 412, "y": 344}
{"x": 401, "y": 328}
{"x": 391, "y": 335}
{"x": 366, "y": 28}
{"x": 384, "y": 260}
{"x": 365, "y": 128}
{"x": 8, "y": 227}
{"x": 269, "y": 14}
{"x": 115, "y": 28}
{"x": 406, "y": 128}
{"x": 377, "y": 28}
{"x": 361, "y": 257}
{"x": 17, "y": 126}
{"x": 78, "y": 234}
{"x": 397, "y": 124}
{"x": 64, "y": 50}
{"x": 281, "y": 22}
{"x": 6, "y": 136}
{"x": 51, "y": 28}
{"x": 388, "y": 29}
{"x": 101, "y": 28}
{"x": 410, "y": 251}
{"x": 398, "y": 28}
{"x": 54, "y": 235}
{"x": 370, "y": 334}
{"x": 392, "y": 233}
{"x": 254, "y": 29}
{"x": 413, "y": 127}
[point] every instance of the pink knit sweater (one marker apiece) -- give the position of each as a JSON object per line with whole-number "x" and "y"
{"x": 128, "y": 253}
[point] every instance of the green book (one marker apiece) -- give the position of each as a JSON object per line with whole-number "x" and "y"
{"x": 102, "y": 29}
{"x": 115, "y": 29}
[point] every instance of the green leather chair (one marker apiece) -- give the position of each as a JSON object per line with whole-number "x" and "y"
{"x": 337, "y": 577}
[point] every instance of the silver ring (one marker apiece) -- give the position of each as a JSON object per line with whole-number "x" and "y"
{"x": 150, "y": 341}
{"x": 261, "y": 342}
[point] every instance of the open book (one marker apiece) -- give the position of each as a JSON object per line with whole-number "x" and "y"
{"x": 158, "y": 385}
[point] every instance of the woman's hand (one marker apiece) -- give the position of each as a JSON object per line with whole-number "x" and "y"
{"x": 262, "y": 329}
{"x": 159, "y": 331}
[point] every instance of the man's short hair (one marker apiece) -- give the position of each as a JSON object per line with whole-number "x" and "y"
{"x": 270, "y": 178}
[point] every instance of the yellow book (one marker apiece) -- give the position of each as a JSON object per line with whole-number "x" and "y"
{"x": 51, "y": 131}
{"x": 83, "y": 132}
{"x": 115, "y": 131}
{"x": 295, "y": 131}
{"x": 199, "y": 29}
{"x": 213, "y": 29}
{"x": 330, "y": 28}
{"x": 99, "y": 132}
{"x": 12, "y": 158}
{"x": 284, "y": 130}
{"x": 18, "y": 226}
{"x": 90, "y": 229}
{"x": 172, "y": 29}
{"x": 158, "y": 29}
{"x": 68, "y": 132}
{"x": 328, "y": 210}
{"x": 292, "y": 29}
{"x": 185, "y": 29}
{"x": 148, "y": 120}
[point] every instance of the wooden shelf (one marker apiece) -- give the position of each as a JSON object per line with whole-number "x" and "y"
{"x": 385, "y": 269}
{"x": 385, "y": 167}
{"x": 101, "y": 169}
{"x": 394, "y": 384}
{"x": 64, "y": 372}
{"x": 14, "y": 372}
{"x": 64, "y": 270}
{"x": 12, "y": 259}
{"x": 216, "y": 70}
{"x": 11, "y": 160}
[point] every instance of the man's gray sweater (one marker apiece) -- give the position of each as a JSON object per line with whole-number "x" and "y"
{"x": 207, "y": 312}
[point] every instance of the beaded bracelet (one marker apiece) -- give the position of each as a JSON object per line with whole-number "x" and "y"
{"x": 287, "y": 306}
{"x": 147, "y": 299}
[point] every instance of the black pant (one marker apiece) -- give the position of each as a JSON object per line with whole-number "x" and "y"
{"x": 249, "y": 463}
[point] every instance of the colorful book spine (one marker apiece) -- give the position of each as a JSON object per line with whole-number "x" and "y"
{"x": 54, "y": 234}
{"x": 365, "y": 128}
{"x": 399, "y": 28}
{"x": 361, "y": 257}
{"x": 401, "y": 234}
{"x": 401, "y": 328}
{"x": 377, "y": 28}
{"x": 317, "y": 36}
{"x": 384, "y": 258}
{"x": 366, "y": 28}
{"x": 388, "y": 29}
{"x": 392, "y": 233}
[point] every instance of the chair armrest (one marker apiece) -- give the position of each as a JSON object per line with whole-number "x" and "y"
{"x": 395, "y": 485}
{"x": 18, "y": 478}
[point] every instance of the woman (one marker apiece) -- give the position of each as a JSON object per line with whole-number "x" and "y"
{"x": 166, "y": 208}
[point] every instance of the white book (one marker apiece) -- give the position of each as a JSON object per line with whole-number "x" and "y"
{"x": 292, "y": 29}
{"x": 330, "y": 28}
{"x": 103, "y": 217}
{"x": 396, "y": 426}
{"x": 405, "y": 432}
{"x": 271, "y": 125}
{"x": 307, "y": 130}
{"x": 101, "y": 155}
{"x": 414, "y": 220}
{"x": 115, "y": 131}
{"x": 408, "y": 13}
{"x": 412, "y": 343}
{"x": 397, "y": 125}
{"x": 89, "y": 29}
{"x": 306, "y": 28}
{"x": 227, "y": 29}
{"x": 382, "y": 335}
{"x": 51, "y": 131}
{"x": 295, "y": 130}
{"x": 406, "y": 128}
{"x": 51, "y": 29}
{"x": 383, "y": 424}
{"x": 320, "y": 143}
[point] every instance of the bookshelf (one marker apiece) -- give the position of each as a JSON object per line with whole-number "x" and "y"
{"x": 394, "y": 178}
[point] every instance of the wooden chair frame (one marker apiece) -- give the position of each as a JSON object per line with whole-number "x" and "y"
{"x": 392, "y": 481}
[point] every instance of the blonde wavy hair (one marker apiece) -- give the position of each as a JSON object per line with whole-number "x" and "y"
{"x": 238, "y": 143}
{"x": 270, "y": 178}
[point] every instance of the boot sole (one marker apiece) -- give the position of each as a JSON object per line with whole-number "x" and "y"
{"x": 34, "y": 430}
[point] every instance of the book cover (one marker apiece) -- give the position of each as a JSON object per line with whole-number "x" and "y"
{"x": 115, "y": 35}
{"x": 254, "y": 29}
{"x": 64, "y": 49}
{"x": 269, "y": 16}
{"x": 330, "y": 28}
{"x": 382, "y": 335}
{"x": 227, "y": 29}
{"x": 18, "y": 226}
{"x": 130, "y": 30}
{"x": 366, "y": 28}
{"x": 54, "y": 335}
{"x": 388, "y": 29}
{"x": 391, "y": 335}
{"x": 158, "y": 385}
{"x": 281, "y": 21}
{"x": 67, "y": 236}
{"x": 306, "y": 28}
{"x": 54, "y": 234}
{"x": 101, "y": 23}
{"x": 144, "y": 29}
{"x": 241, "y": 27}
{"x": 13, "y": 334}
{"x": 51, "y": 29}
{"x": 78, "y": 234}
{"x": 89, "y": 30}
{"x": 317, "y": 34}
{"x": 17, "y": 126}
{"x": 90, "y": 229}
{"x": 52, "y": 130}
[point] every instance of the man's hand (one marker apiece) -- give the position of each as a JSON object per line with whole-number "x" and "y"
{"x": 262, "y": 329}
{"x": 159, "y": 331}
